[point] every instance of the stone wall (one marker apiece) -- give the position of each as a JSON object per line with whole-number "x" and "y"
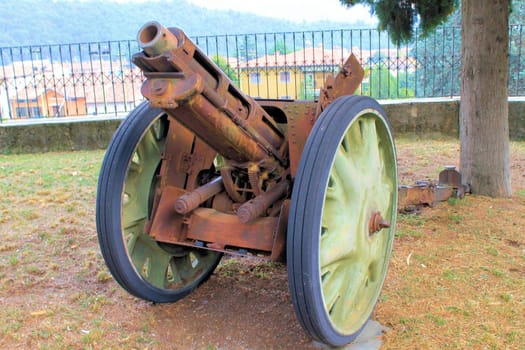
{"x": 517, "y": 119}
{"x": 419, "y": 116}
{"x": 70, "y": 135}
{"x": 423, "y": 116}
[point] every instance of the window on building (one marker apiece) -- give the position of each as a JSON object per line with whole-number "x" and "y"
{"x": 309, "y": 86}
{"x": 22, "y": 112}
{"x": 57, "y": 111}
{"x": 284, "y": 77}
{"x": 255, "y": 78}
{"x": 35, "y": 112}
{"x": 28, "y": 112}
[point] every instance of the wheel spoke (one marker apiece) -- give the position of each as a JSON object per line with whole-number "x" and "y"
{"x": 375, "y": 268}
{"x": 335, "y": 213}
{"x": 149, "y": 260}
{"x": 354, "y": 278}
{"x": 130, "y": 239}
{"x": 148, "y": 146}
{"x": 138, "y": 254}
{"x": 157, "y": 269}
{"x": 335, "y": 190}
{"x": 134, "y": 215}
{"x": 340, "y": 236}
{"x": 371, "y": 145}
{"x": 353, "y": 139}
{"x": 136, "y": 188}
{"x": 332, "y": 283}
{"x": 337, "y": 248}
{"x": 365, "y": 292}
{"x": 348, "y": 174}
{"x": 200, "y": 259}
{"x": 189, "y": 266}
{"x": 173, "y": 275}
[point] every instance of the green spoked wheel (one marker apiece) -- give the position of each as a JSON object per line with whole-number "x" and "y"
{"x": 342, "y": 219}
{"x": 127, "y": 183}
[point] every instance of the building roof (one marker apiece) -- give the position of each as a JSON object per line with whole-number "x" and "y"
{"x": 97, "y": 81}
{"x": 318, "y": 56}
{"x": 311, "y": 56}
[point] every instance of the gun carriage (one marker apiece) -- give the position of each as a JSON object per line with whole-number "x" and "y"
{"x": 201, "y": 170}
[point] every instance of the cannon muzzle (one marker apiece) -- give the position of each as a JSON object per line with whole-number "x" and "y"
{"x": 155, "y": 39}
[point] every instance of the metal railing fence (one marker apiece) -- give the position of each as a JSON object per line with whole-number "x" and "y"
{"x": 99, "y": 78}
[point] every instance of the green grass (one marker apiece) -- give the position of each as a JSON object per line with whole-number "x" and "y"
{"x": 455, "y": 280}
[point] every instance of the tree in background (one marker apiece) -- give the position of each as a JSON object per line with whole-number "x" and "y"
{"x": 280, "y": 47}
{"x": 439, "y": 56}
{"x": 484, "y": 130}
{"x": 223, "y": 64}
{"x": 382, "y": 84}
{"x": 516, "y": 49}
{"x": 439, "y": 59}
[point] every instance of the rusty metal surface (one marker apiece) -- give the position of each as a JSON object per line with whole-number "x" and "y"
{"x": 179, "y": 143}
{"x": 279, "y": 240}
{"x": 191, "y": 200}
{"x": 191, "y": 88}
{"x": 257, "y": 207}
{"x": 411, "y": 198}
{"x": 230, "y": 186}
{"x": 451, "y": 177}
{"x": 225, "y": 230}
{"x": 415, "y": 195}
{"x": 209, "y": 228}
{"x": 299, "y": 119}
{"x": 167, "y": 225}
{"x": 173, "y": 170}
{"x": 376, "y": 223}
{"x": 345, "y": 83}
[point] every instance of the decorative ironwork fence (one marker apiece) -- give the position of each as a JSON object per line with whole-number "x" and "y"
{"x": 100, "y": 79}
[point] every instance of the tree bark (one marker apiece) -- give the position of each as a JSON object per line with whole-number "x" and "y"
{"x": 484, "y": 126}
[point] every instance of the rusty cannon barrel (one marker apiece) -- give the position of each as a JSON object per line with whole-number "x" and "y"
{"x": 193, "y": 89}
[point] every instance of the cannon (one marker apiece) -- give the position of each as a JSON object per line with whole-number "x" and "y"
{"x": 200, "y": 170}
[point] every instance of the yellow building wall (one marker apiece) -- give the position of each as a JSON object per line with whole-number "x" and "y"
{"x": 301, "y": 85}
{"x": 271, "y": 83}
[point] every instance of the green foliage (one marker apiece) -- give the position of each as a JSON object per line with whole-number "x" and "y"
{"x": 280, "y": 47}
{"x": 440, "y": 52}
{"x": 517, "y": 12}
{"x": 400, "y": 18}
{"x": 223, "y": 64}
{"x": 516, "y": 49}
{"x": 440, "y": 55}
{"x": 37, "y": 22}
{"x": 382, "y": 84}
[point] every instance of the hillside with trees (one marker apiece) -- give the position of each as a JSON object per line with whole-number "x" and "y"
{"x": 37, "y": 22}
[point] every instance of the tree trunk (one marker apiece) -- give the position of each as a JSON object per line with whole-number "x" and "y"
{"x": 484, "y": 126}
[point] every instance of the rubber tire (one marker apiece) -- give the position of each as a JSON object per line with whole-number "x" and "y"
{"x": 305, "y": 213}
{"x": 108, "y": 210}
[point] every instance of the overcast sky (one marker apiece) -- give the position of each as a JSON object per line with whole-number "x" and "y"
{"x": 294, "y": 10}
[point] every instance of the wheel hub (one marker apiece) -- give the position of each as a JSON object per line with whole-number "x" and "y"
{"x": 377, "y": 223}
